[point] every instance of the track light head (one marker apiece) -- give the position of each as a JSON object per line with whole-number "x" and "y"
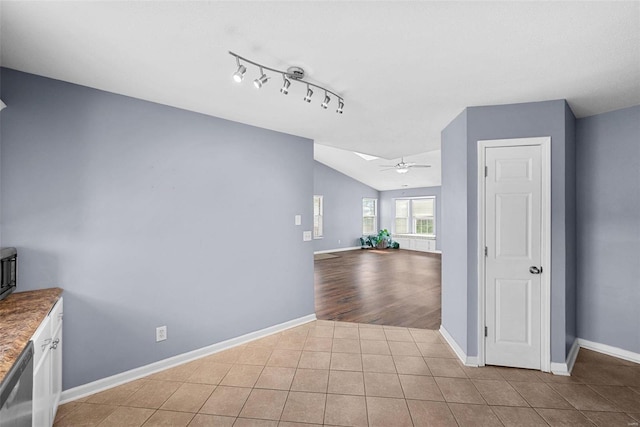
{"x": 239, "y": 75}
{"x": 326, "y": 101}
{"x": 309, "y": 94}
{"x": 340, "y": 106}
{"x": 261, "y": 81}
{"x": 285, "y": 86}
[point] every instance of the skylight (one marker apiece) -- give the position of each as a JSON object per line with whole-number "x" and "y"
{"x": 367, "y": 157}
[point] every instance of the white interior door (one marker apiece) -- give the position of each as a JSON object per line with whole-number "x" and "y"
{"x": 513, "y": 262}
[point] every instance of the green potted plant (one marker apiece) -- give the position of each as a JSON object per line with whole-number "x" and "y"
{"x": 383, "y": 238}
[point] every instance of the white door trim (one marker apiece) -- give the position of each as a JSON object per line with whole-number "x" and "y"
{"x": 545, "y": 327}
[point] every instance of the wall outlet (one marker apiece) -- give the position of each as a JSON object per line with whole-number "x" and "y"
{"x": 339, "y": 241}
{"x": 161, "y": 333}
{"x": 306, "y": 236}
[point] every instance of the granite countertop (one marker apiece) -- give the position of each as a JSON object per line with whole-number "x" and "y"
{"x": 20, "y": 315}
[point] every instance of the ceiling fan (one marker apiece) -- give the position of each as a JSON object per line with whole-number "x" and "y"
{"x": 403, "y": 167}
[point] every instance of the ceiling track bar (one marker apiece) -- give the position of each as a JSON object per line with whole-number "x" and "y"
{"x": 284, "y": 73}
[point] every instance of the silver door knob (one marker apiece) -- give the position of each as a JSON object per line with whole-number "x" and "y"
{"x": 535, "y": 270}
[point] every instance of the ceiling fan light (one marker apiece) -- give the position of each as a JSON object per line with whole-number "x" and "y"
{"x": 340, "y": 106}
{"x": 285, "y": 86}
{"x": 309, "y": 94}
{"x": 239, "y": 74}
{"x": 402, "y": 170}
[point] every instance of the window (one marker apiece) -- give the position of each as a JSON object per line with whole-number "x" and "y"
{"x": 415, "y": 216}
{"x": 402, "y": 217}
{"x": 369, "y": 216}
{"x": 317, "y": 217}
{"x": 423, "y": 219}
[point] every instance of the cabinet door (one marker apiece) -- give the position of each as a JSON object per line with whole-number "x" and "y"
{"x": 402, "y": 242}
{"x": 42, "y": 392}
{"x": 421, "y": 245}
{"x": 56, "y": 356}
{"x": 56, "y": 371}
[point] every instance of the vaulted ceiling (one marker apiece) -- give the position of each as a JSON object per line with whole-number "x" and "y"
{"x": 405, "y": 69}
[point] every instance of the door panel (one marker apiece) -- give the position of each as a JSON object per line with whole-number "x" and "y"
{"x": 513, "y": 324}
{"x": 513, "y": 225}
{"x": 513, "y": 190}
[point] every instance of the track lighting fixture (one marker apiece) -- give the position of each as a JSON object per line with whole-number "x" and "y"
{"x": 326, "y": 101}
{"x": 239, "y": 75}
{"x": 309, "y": 94}
{"x": 260, "y": 81}
{"x": 295, "y": 74}
{"x": 285, "y": 85}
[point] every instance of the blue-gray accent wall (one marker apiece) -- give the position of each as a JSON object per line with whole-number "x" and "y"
{"x": 570, "y": 315}
{"x": 459, "y": 160}
{"x": 140, "y": 212}
{"x": 454, "y": 230}
{"x": 608, "y": 228}
{"x": 342, "y": 216}
{"x": 387, "y": 206}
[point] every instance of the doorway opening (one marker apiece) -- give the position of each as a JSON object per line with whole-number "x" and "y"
{"x": 383, "y": 287}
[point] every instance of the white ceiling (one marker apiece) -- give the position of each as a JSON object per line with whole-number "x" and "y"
{"x": 405, "y": 69}
{"x": 376, "y": 175}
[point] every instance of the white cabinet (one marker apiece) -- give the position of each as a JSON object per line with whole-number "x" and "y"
{"x": 416, "y": 242}
{"x": 47, "y": 367}
{"x": 56, "y": 358}
{"x": 42, "y": 374}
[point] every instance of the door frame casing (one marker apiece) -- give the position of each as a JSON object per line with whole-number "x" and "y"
{"x": 545, "y": 279}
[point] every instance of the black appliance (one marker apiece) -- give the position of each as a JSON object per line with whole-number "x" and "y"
{"x": 16, "y": 392}
{"x": 8, "y": 272}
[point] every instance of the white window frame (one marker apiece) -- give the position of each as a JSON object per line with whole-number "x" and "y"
{"x": 375, "y": 216}
{"x": 411, "y": 218}
{"x": 318, "y": 231}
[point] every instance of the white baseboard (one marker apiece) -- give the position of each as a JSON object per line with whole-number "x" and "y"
{"x": 565, "y": 369}
{"x": 143, "y": 371}
{"x": 352, "y": 248}
{"x": 609, "y": 350}
{"x": 466, "y": 360}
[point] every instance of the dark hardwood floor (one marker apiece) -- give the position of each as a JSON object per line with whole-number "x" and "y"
{"x": 384, "y": 287}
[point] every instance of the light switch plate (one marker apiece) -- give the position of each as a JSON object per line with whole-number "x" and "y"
{"x": 306, "y": 236}
{"x": 298, "y": 219}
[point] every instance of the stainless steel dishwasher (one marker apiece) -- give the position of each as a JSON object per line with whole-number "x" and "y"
{"x": 16, "y": 392}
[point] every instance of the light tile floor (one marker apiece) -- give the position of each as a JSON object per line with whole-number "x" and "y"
{"x": 347, "y": 374}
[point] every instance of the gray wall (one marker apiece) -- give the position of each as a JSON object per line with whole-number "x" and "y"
{"x": 547, "y": 118}
{"x": 387, "y": 206}
{"x": 571, "y": 330}
{"x": 342, "y": 216}
{"x": 454, "y": 230}
{"x": 608, "y": 222}
{"x": 140, "y": 213}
